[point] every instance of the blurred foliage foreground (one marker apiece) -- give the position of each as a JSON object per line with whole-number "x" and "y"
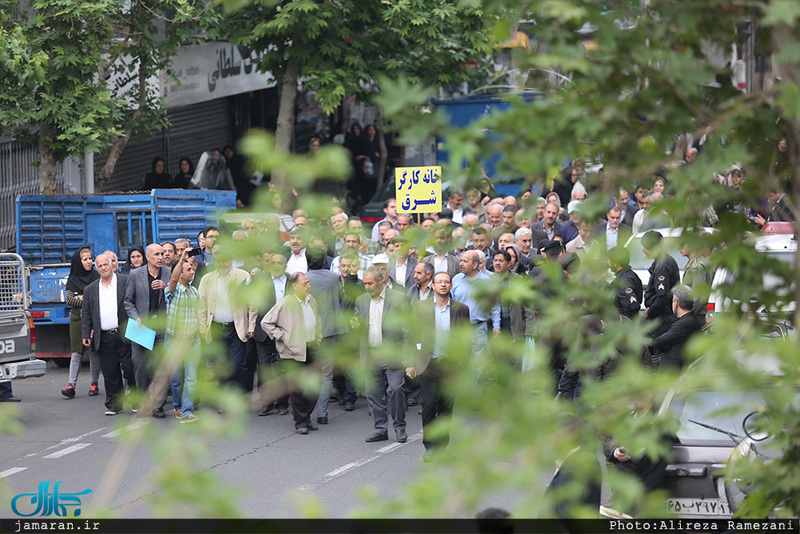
{"x": 644, "y": 83}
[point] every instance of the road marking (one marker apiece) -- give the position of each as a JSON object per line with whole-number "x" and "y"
{"x": 12, "y": 471}
{"x": 390, "y": 448}
{"x": 131, "y": 426}
{"x": 347, "y": 467}
{"x": 358, "y": 463}
{"x": 73, "y": 440}
{"x": 68, "y": 450}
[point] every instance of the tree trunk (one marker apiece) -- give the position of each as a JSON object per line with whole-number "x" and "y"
{"x": 117, "y": 146}
{"x": 47, "y": 159}
{"x": 285, "y": 129}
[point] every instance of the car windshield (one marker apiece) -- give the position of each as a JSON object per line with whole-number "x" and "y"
{"x": 640, "y": 262}
{"x": 771, "y": 281}
{"x": 725, "y": 410}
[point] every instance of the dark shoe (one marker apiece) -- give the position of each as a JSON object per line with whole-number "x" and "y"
{"x": 69, "y": 391}
{"x": 10, "y": 399}
{"x": 94, "y": 390}
{"x": 265, "y": 410}
{"x": 377, "y": 437}
{"x": 411, "y": 401}
{"x": 349, "y": 406}
{"x": 283, "y": 411}
{"x": 322, "y": 420}
{"x": 402, "y": 437}
{"x": 312, "y": 426}
{"x": 158, "y": 413}
{"x": 302, "y": 430}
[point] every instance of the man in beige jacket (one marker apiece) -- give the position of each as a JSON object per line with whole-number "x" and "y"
{"x": 295, "y": 325}
{"x": 224, "y": 318}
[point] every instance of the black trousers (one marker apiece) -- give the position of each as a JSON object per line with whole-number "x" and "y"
{"x": 435, "y": 403}
{"x": 303, "y": 402}
{"x": 270, "y": 368}
{"x": 115, "y": 359}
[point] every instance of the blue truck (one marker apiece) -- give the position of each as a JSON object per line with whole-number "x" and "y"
{"x": 50, "y": 228}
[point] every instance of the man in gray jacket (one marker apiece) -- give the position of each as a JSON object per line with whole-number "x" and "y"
{"x": 146, "y": 304}
{"x": 325, "y": 290}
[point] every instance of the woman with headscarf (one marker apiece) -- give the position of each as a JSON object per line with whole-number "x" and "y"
{"x": 516, "y": 265}
{"x": 81, "y": 274}
{"x": 158, "y": 177}
{"x": 136, "y": 258}
{"x": 185, "y": 173}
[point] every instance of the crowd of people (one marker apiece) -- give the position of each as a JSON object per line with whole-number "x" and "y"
{"x": 328, "y": 282}
{"x": 226, "y": 169}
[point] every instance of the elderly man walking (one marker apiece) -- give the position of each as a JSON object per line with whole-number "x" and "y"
{"x": 294, "y": 323}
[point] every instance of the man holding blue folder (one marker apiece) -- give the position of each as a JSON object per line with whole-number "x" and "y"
{"x": 145, "y": 303}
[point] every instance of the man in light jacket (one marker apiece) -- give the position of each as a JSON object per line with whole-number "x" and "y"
{"x": 294, "y": 323}
{"x": 224, "y": 318}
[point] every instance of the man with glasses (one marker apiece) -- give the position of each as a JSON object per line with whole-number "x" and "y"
{"x": 437, "y": 319}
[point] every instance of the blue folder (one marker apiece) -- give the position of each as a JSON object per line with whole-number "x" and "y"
{"x": 141, "y": 335}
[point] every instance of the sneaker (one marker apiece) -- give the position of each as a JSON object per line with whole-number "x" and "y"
{"x": 94, "y": 390}
{"x": 188, "y": 418}
{"x": 178, "y": 413}
{"x": 112, "y": 412}
{"x": 69, "y": 391}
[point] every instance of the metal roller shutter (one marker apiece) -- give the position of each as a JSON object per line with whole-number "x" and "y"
{"x": 192, "y": 130}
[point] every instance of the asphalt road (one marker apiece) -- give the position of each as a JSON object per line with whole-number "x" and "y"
{"x": 272, "y": 471}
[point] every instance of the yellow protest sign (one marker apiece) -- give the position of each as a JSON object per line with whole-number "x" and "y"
{"x": 418, "y": 189}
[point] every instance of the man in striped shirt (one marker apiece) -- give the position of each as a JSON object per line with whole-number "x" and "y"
{"x": 182, "y": 340}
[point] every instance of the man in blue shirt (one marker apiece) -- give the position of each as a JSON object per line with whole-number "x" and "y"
{"x": 444, "y": 314}
{"x": 464, "y": 291}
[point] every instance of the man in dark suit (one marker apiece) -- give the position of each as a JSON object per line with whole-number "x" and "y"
{"x": 399, "y": 261}
{"x": 146, "y": 304}
{"x": 103, "y": 319}
{"x": 671, "y": 344}
{"x": 439, "y": 318}
{"x": 549, "y": 224}
{"x": 325, "y": 290}
{"x": 443, "y": 259}
{"x": 423, "y": 283}
{"x": 379, "y": 313}
{"x": 266, "y": 353}
{"x": 612, "y": 232}
{"x": 628, "y": 209}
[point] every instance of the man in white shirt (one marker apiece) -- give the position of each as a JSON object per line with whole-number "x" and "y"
{"x": 455, "y": 199}
{"x": 378, "y": 316}
{"x": 390, "y": 211}
{"x": 401, "y": 266}
{"x": 103, "y": 320}
{"x": 297, "y": 262}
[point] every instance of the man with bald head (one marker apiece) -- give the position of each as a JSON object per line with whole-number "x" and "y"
{"x": 146, "y": 304}
{"x": 494, "y": 215}
{"x": 464, "y": 291}
{"x": 112, "y": 257}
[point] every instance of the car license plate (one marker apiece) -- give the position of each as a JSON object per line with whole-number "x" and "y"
{"x": 705, "y": 507}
